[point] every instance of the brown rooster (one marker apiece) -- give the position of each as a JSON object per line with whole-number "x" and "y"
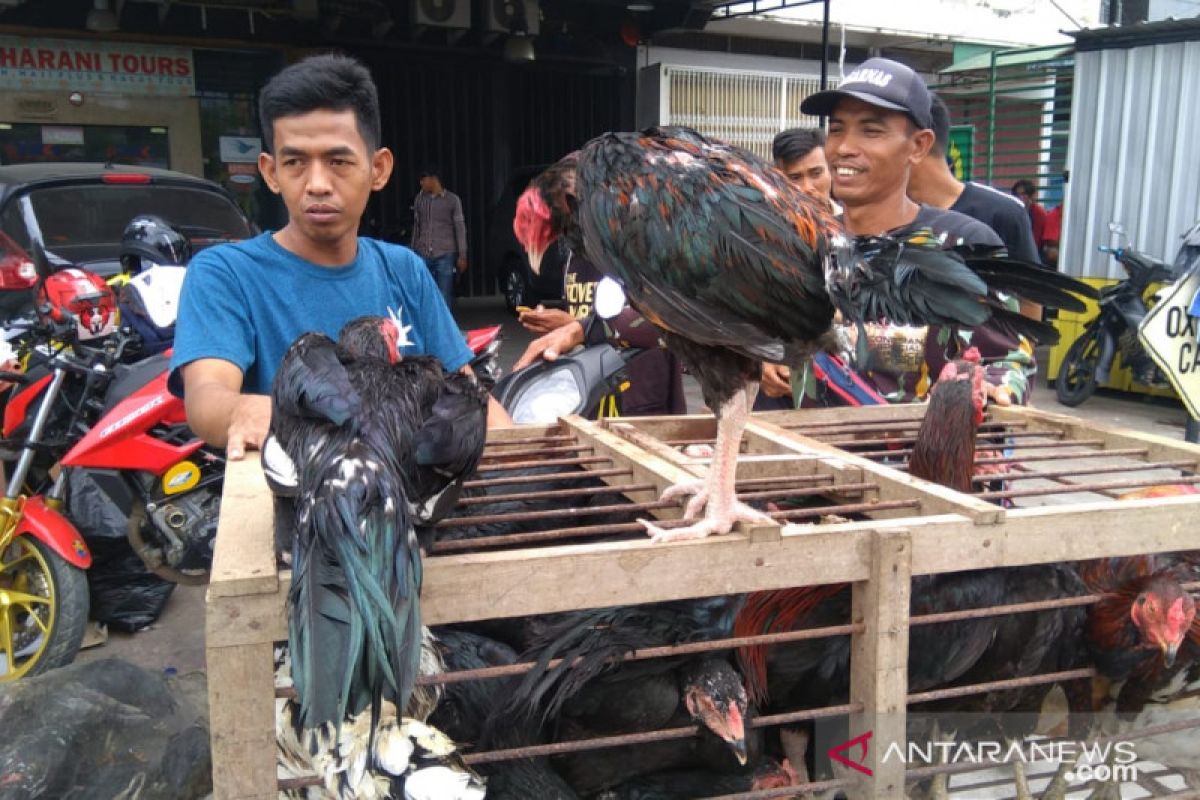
{"x": 1143, "y": 637}
{"x": 1135, "y": 631}
{"x": 944, "y": 451}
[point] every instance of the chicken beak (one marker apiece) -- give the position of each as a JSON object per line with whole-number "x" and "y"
{"x": 739, "y": 750}
{"x": 535, "y": 260}
{"x": 1170, "y": 650}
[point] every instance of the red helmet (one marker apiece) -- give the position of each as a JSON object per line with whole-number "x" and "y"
{"x": 74, "y": 295}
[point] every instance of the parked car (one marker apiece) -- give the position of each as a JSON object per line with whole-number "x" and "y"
{"x": 507, "y": 259}
{"x": 78, "y": 212}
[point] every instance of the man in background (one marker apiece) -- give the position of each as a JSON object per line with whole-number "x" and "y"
{"x": 933, "y": 184}
{"x": 439, "y": 231}
{"x": 1026, "y": 192}
{"x": 880, "y": 129}
{"x": 799, "y": 154}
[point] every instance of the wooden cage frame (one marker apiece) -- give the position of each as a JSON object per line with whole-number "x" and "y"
{"x": 953, "y": 532}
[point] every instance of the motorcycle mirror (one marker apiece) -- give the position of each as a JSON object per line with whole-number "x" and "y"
{"x": 609, "y": 298}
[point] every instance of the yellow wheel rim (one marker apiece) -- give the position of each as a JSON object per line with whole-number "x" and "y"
{"x": 27, "y": 608}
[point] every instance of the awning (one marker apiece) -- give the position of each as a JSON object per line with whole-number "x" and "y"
{"x": 1009, "y": 58}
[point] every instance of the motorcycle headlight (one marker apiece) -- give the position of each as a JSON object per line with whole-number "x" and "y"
{"x": 552, "y": 395}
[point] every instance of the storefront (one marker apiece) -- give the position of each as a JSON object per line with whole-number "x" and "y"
{"x": 155, "y": 105}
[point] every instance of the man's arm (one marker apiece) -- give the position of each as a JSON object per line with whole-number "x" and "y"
{"x": 218, "y": 412}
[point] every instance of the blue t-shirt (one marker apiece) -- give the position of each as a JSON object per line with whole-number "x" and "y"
{"x": 247, "y": 302}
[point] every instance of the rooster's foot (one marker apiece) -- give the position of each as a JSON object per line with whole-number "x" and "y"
{"x": 697, "y": 490}
{"x": 715, "y": 522}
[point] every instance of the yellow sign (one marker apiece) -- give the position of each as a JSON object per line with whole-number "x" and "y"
{"x": 1171, "y": 337}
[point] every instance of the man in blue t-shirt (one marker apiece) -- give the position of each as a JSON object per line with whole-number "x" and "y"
{"x": 244, "y": 304}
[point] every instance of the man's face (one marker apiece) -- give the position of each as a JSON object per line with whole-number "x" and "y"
{"x": 322, "y": 169}
{"x": 810, "y": 174}
{"x": 429, "y": 184}
{"x": 871, "y": 150}
{"x": 1024, "y": 197}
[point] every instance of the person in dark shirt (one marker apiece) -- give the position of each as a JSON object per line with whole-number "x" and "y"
{"x": 880, "y": 127}
{"x": 655, "y": 374}
{"x": 932, "y": 183}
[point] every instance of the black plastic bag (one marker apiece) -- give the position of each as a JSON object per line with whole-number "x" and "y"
{"x": 125, "y": 594}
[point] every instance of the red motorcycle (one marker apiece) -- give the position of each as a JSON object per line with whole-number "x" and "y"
{"x": 81, "y": 406}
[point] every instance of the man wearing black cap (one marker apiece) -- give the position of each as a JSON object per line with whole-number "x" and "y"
{"x": 880, "y": 121}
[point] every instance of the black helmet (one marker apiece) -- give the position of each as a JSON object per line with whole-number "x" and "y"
{"x": 150, "y": 237}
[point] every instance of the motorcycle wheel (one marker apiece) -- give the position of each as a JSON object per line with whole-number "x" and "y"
{"x": 1076, "y": 379}
{"x": 43, "y": 609}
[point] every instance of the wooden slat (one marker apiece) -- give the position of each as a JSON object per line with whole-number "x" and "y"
{"x": 647, "y": 467}
{"x": 652, "y": 445}
{"x": 241, "y": 707}
{"x": 837, "y": 416}
{"x": 1158, "y": 448}
{"x": 244, "y": 551}
{"x": 879, "y": 658}
{"x": 893, "y": 484}
{"x": 514, "y": 583}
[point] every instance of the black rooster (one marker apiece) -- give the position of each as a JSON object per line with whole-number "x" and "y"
{"x": 377, "y": 444}
{"x": 465, "y": 711}
{"x": 737, "y": 266}
{"x": 590, "y": 693}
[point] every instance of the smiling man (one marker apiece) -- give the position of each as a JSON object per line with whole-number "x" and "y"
{"x": 243, "y": 304}
{"x": 880, "y": 128}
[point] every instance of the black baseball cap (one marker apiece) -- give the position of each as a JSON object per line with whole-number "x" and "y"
{"x": 879, "y": 82}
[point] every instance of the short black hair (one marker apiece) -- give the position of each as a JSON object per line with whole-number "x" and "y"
{"x": 940, "y": 116}
{"x": 430, "y": 170}
{"x": 326, "y": 82}
{"x": 796, "y": 143}
{"x": 1025, "y": 186}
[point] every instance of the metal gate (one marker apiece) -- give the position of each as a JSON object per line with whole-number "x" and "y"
{"x": 1012, "y": 112}
{"x": 740, "y": 107}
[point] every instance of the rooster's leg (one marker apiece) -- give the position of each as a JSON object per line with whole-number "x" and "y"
{"x": 722, "y": 508}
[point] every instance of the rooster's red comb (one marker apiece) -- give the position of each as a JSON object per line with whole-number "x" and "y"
{"x": 532, "y": 215}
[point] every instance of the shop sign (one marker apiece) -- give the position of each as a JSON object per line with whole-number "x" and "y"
{"x": 1172, "y": 337}
{"x": 102, "y": 67}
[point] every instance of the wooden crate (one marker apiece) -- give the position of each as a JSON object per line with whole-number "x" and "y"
{"x": 915, "y": 528}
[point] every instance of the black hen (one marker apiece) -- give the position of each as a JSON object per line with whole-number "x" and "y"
{"x": 590, "y": 693}
{"x": 376, "y": 444}
{"x": 732, "y": 262}
{"x": 467, "y": 706}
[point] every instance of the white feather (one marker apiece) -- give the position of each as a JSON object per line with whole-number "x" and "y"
{"x": 442, "y": 783}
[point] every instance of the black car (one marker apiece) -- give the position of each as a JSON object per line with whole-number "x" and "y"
{"x": 78, "y": 212}
{"x": 507, "y": 259}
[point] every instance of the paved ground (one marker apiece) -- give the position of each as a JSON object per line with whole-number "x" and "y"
{"x": 177, "y": 639}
